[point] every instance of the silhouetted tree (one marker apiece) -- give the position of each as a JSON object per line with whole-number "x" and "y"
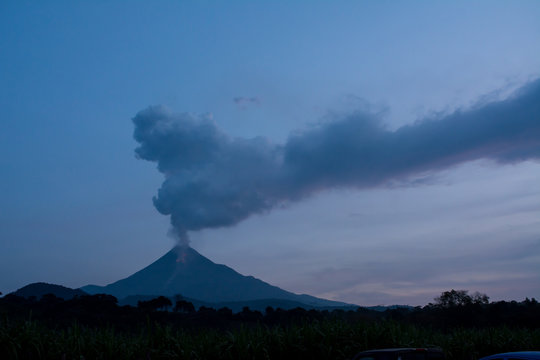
{"x": 158, "y": 303}
{"x": 50, "y": 299}
{"x": 480, "y": 299}
{"x": 249, "y": 315}
{"x": 206, "y": 312}
{"x": 530, "y": 302}
{"x": 226, "y": 312}
{"x": 15, "y": 299}
{"x": 163, "y": 303}
{"x": 100, "y": 299}
{"x": 453, "y": 298}
{"x": 184, "y": 307}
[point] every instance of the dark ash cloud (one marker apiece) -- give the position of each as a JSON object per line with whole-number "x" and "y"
{"x": 211, "y": 179}
{"x": 214, "y": 180}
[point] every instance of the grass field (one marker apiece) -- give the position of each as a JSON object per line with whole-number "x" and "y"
{"x": 326, "y": 339}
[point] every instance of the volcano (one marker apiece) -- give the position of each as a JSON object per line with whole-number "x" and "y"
{"x": 185, "y": 272}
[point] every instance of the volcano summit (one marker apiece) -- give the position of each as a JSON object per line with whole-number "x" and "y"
{"x": 186, "y": 272}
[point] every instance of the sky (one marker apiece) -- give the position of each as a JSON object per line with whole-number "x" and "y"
{"x": 372, "y": 152}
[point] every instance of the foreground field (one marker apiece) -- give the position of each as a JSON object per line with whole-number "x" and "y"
{"x": 95, "y": 327}
{"x": 327, "y": 339}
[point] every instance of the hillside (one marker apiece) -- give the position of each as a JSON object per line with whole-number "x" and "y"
{"x": 40, "y": 288}
{"x": 186, "y": 272}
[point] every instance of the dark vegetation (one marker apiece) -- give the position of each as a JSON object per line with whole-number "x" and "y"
{"x": 39, "y": 289}
{"x": 96, "y": 327}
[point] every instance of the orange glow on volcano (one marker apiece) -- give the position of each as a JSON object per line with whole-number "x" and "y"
{"x": 181, "y": 257}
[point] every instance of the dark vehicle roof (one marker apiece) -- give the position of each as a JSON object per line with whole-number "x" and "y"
{"x": 525, "y": 355}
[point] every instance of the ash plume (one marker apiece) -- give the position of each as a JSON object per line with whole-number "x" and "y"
{"x": 215, "y": 180}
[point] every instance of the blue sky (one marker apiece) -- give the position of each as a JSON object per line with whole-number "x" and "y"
{"x": 77, "y": 205}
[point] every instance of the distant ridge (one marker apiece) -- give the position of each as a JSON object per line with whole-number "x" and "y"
{"x": 183, "y": 271}
{"x": 40, "y": 288}
{"x": 237, "y": 306}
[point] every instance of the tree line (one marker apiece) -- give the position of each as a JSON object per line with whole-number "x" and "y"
{"x": 454, "y": 308}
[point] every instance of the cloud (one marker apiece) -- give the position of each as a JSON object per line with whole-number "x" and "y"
{"x": 243, "y": 102}
{"x": 215, "y": 180}
{"x": 358, "y": 151}
{"x": 211, "y": 179}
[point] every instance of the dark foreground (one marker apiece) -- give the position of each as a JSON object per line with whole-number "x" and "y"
{"x": 94, "y": 327}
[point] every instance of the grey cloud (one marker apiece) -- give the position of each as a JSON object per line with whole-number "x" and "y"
{"x": 358, "y": 151}
{"x": 243, "y": 102}
{"x": 214, "y": 180}
{"x": 211, "y": 179}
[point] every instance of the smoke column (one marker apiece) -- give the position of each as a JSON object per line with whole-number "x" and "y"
{"x": 214, "y": 180}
